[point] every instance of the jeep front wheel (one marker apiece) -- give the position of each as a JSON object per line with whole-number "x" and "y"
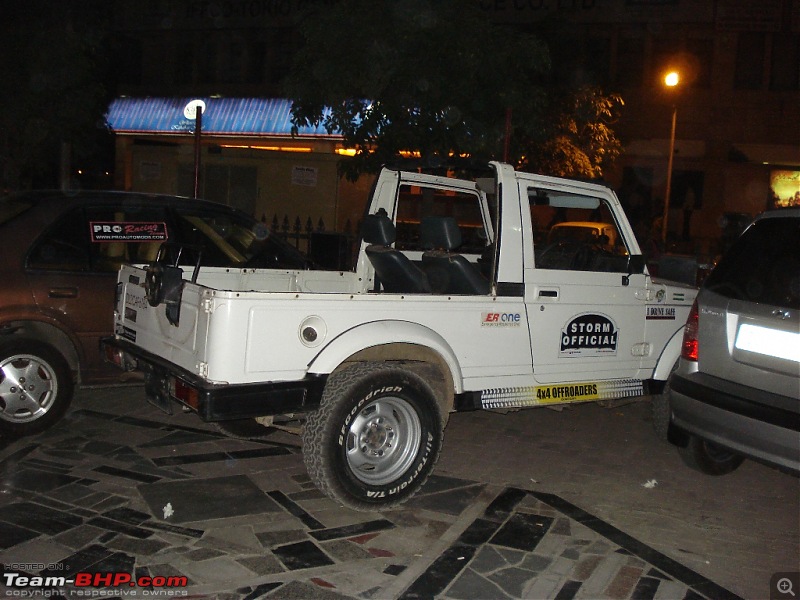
{"x": 375, "y": 437}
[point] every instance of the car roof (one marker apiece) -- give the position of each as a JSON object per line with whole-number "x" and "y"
{"x": 778, "y": 213}
{"x": 71, "y": 197}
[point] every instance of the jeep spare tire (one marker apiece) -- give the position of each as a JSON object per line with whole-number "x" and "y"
{"x": 375, "y": 437}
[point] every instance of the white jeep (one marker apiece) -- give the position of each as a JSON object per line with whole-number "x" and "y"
{"x": 454, "y": 303}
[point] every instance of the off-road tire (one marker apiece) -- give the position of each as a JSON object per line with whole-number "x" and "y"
{"x": 706, "y": 457}
{"x": 32, "y": 405}
{"x": 375, "y": 437}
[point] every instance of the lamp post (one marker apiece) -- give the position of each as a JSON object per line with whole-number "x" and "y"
{"x": 671, "y": 80}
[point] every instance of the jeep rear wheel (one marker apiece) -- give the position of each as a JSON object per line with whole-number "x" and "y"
{"x": 35, "y": 386}
{"x": 375, "y": 437}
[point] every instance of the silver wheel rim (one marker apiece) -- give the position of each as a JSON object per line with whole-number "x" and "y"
{"x": 383, "y": 440}
{"x": 28, "y": 388}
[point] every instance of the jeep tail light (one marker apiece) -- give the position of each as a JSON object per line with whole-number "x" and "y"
{"x": 184, "y": 392}
{"x": 689, "y": 347}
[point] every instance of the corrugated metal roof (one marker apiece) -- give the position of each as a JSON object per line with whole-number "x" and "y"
{"x": 258, "y": 117}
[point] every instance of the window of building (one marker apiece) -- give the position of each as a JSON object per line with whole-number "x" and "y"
{"x": 785, "y": 71}
{"x": 129, "y": 60}
{"x": 630, "y": 62}
{"x": 597, "y": 60}
{"x": 256, "y": 63}
{"x": 699, "y": 58}
{"x": 749, "y": 72}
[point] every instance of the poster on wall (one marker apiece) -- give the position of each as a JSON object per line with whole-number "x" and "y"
{"x": 784, "y": 187}
{"x": 306, "y": 176}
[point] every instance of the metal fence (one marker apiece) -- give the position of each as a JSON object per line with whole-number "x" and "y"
{"x": 329, "y": 249}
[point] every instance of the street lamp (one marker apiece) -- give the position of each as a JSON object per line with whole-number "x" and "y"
{"x": 671, "y": 80}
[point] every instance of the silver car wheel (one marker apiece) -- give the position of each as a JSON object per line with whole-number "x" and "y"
{"x": 28, "y": 388}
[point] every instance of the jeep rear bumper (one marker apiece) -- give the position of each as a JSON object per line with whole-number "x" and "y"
{"x": 213, "y": 401}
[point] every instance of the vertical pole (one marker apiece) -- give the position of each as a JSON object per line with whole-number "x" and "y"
{"x": 65, "y": 166}
{"x": 198, "y": 126}
{"x": 507, "y": 137}
{"x": 668, "y": 191}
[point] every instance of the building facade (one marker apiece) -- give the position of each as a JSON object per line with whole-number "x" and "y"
{"x": 736, "y": 110}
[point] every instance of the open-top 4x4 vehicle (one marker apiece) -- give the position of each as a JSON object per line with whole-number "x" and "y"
{"x": 452, "y": 305}
{"x": 60, "y": 255}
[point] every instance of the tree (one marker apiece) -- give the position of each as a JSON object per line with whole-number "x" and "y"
{"x": 53, "y": 64}
{"x": 436, "y": 78}
{"x": 426, "y": 76}
{"x": 576, "y": 139}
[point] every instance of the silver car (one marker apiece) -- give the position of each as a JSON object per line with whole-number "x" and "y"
{"x": 736, "y": 389}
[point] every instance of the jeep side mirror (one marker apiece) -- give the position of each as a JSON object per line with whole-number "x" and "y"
{"x": 635, "y": 264}
{"x": 635, "y": 267}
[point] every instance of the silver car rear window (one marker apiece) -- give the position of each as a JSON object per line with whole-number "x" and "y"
{"x": 763, "y": 265}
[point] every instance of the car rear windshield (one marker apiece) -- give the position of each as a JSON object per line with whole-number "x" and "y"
{"x": 11, "y": 206}
{"x": 763, "y": 265}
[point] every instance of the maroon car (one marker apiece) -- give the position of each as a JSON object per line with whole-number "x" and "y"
{"x": 60, "y": 255}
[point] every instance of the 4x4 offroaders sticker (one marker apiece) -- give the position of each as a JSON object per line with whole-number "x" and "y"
{"x": 584, "y": 391}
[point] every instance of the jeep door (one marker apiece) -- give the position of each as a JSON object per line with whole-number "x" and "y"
{"x": 586, "y": 312}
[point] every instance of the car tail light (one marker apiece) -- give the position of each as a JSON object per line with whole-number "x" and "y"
{"x": 689, "y": 347}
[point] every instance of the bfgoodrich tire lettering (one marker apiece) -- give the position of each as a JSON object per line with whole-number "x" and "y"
{"x": 375, "y": 437}
{"x": 36, "y": 386}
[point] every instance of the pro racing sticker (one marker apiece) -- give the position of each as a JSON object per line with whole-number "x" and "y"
{"x": 589, "y": 334}
{"x": 117, "y": 231}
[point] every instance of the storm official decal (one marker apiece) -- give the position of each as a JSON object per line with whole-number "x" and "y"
{"x": 589, "y": 334}
{"x": 660, "y": 313}
{"x": 117, "y": 231}
{"x": 562, "y": 393}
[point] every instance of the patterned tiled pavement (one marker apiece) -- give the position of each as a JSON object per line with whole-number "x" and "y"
{"x": 117, "y": 487}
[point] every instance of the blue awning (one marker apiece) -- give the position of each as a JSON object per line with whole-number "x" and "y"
{"x": 255, "y": 117}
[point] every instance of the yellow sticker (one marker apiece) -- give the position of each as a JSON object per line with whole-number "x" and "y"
{"x": 561, "y": 393}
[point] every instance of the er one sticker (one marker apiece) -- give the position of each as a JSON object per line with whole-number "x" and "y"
{"x": 128, "y": 231}
{"x": 589, "y": 334}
